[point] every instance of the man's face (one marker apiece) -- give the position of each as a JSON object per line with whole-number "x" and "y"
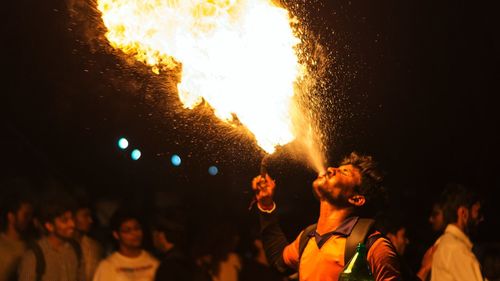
{"x": 436, "y": 219}
{"x": 159, "y": 240}
{"x": 83, "y": 220}
{"x": 338, "y": 184}
{"x": 399, "y": 240}
{"x": 475, "y": 216}
{"x": 63, "y": 226}
{"x": 23, "y": 217}
{"x": 130, "y": 234}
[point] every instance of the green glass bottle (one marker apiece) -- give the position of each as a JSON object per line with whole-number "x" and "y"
{"x": 357, "y": 268}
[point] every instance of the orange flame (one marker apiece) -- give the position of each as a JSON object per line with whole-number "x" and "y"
{"x": 237, "y": 55}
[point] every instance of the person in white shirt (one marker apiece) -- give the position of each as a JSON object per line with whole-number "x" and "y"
{"x": 131, "y": 262}
{"x": 453, "y": 259}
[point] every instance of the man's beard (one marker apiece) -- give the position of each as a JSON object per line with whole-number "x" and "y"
{"x": 61, "y": 237}
{"x": 323, "y": 194}
{"x": 472, "y": 228}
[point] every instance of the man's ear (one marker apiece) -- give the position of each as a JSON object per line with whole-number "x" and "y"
{"x": 391, "y": 237}
{"x": 462, "y": 215}
{"x": 357, "y": 200}
{"x": 49, "y": 227}
{"x": 115, "y": 235}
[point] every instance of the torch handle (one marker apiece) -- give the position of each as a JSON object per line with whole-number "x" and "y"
{"x": 263, "y": 166}
{"x": 263, "y": 172}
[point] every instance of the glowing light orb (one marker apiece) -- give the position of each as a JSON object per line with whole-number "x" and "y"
{"x": 136, "y": 154}
{"x": 176, "y": 160}
{"x": 213, "y": 170}
{"x": 123, "y": 143}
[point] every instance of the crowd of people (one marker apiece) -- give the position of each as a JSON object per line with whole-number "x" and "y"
{"x": 62, "y": 235}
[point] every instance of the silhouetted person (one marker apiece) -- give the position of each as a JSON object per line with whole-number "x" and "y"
{"x": 438, "y": 224}
{"x": 91, "y": 250}
{"x": 436, "y": 218}
{"x": 168, "y": 239}
{"x": 394, "y": 228}
{"x": 215, "y": 253}
{"x": 255, "y": 265}
{"x": 16, "y": 216}
{"x": 491, "y": 262}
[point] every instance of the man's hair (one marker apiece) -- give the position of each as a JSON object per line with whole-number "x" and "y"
{"x": 390, "y": 223}
{"x": 371, "y": 179}
{"x": 174, "y": 231}
{"x": 81, "y": 202}
{"x": 14, "y": 193}
{"x": 121, "y": 216}
{"x": 11, "y": 202}
{"x": 455, "y": 196}
{"x": 52, "y": 208}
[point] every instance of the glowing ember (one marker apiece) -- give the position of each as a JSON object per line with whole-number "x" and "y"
{"x": 237, "y": 55}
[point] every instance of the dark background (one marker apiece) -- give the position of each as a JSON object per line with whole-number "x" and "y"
{"x": 413, "y": 83}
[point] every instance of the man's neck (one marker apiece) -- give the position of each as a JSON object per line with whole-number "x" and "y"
{"x": 261, "y": 258}
{"x": 130, "y": 252}
{"x": 330, "y": 217}
{"x": 462, "y": 227}
{"x": 78, "y": 235}
{"x": 55, "y": 241}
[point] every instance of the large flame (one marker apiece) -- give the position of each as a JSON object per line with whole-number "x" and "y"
{"x": 237, "y": 55}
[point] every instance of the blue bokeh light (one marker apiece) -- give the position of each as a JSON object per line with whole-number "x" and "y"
{"x": 123, "y": 143}
{"x": 176, "y": 160}
{"x": 213, "y": 170}
{"x": 136, "y": 154}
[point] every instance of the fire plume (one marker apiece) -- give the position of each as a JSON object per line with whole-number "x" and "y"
{"x": 237, "y": 55}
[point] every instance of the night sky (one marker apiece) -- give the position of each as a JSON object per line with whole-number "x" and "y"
{"x": 414, "y": 86}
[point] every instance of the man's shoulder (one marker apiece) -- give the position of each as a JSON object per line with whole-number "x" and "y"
{"x": 89, "y": 240}
{"x": 3, "y": 240}
{"x": 36, "y": 246}
{"x": 380, "y": 242}
{"x": 10, "y": 245}
{"x": 117, "y": 258}
{"x": 149, "y": 257}
{"x": 382, "y": 250}
{"x": 113, "y": 256}
{"x": 89, "y": 244}
{"x": 447, "y": 242}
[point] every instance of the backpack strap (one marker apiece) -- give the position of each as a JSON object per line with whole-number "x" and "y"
{"x": 39, "y": 259}
{"x": 304, "y": 238}
{"x": 78, "y": 250}
{"x": 358, "y": 235}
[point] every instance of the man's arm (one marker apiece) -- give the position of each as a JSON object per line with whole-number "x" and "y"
{"x": 273, "y": 238}
{"x": 425, "y": 268}
{"x": 274, "y": 241}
